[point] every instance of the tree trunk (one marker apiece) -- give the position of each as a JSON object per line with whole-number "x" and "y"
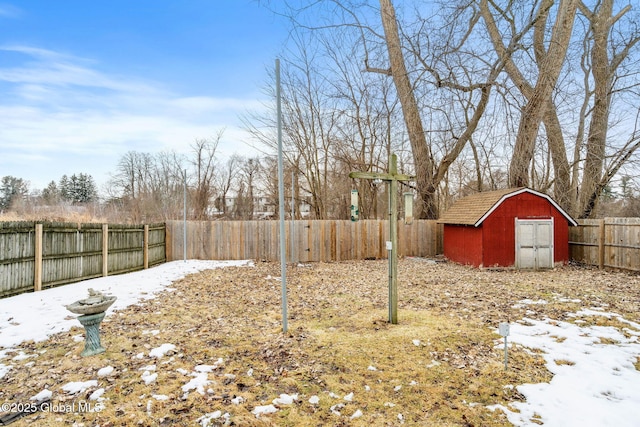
{"x": 422, "y": 159}
{"x": 537, "y": 103}
{"x": 596, "y": 141}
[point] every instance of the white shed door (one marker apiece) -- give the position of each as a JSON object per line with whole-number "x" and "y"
{"x": 534, "y": 243}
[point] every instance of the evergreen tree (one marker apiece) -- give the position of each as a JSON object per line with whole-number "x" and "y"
{"x": 11, "y": 189}
{"x": 63, "y": 185}
{"x": 79, "y": 188}
{"x": 51, "y": 194}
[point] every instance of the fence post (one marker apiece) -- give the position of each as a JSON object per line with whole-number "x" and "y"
{"x": 37, "y": 269}
{"x": 601, "y": 244}
{"x": 145, "y": 251}
{"x": 105, "y": 250}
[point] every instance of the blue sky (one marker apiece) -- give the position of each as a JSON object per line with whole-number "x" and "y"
{"x": 83, "y": 82}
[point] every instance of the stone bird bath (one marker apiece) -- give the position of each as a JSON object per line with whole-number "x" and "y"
{"x": 92, "y": 311}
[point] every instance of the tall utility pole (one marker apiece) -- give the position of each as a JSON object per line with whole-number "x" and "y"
{"x": 184, "y": 235}
{"x": 283, "y": 245}
{"x": 392, "y": 177}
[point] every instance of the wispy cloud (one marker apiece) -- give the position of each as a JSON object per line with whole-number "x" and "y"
{"x": 46, "y": 67}
{"x": 9, "y": 11}
{"x": 61, "y": 109}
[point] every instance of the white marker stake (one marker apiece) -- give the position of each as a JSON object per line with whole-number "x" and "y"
{"x": 503, "y": 330}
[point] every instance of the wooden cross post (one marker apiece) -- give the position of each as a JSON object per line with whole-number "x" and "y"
{"x": 392, "y": 178}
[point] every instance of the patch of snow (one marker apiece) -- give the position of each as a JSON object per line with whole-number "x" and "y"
{"x": 333, "y": 395}
{"x": 96, "y": 394}
{"x": 78, "y": 338}
{"x": 148, "y": 377}
{"x": 158, "y": 352}
{"x": 106, "y": 371}
{"x": 524, "y": 302}
{"x": 160, "y": 397}
{"x": 250, "y": 372}
{"x": 42, "y": 396}
{"x": 372, "y": 368}
{"x": 79, "y": 386}
{"x": 182, "y": 371}
{"x": 285, "y": 399}
{"x": 314, "y": 400}
{"x": 335, "y": 409}
{"x": 148, "y": 368}
{"x": 237, "y": 400}
{"x": 23, "y": 356}
{"x": 4, "y": 369}
{"x": 198, "y": 383}
{"x": 262, "y": 410}
{"x": 416, "y": 343}
{"x": 205, "y": 420}
{"x": 205, "y": 368}
{"x": 349, "y": 397}
{"x": 397, "y": 388}
{"x": 356, "y": 414}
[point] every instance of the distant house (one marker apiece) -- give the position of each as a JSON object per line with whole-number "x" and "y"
{"x": 516, "y": 227}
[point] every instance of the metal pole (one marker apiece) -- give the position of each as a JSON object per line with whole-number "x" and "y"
{"x": 292, "y": 249}
{"x": 184, "y": 234}
{"x": 283, "y": 246}
{"x": 506, "y": 354}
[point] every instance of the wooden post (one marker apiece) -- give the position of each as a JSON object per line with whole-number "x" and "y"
{"x": 105, "y": 250}
{"x": 392, "y": 178}
{"x": 601, "y": 239}
{"x": 393, "y": 236}
{"x": 168, "y": 240}
{"x": 145, "y": 250}
{"x": 37, "y": 269}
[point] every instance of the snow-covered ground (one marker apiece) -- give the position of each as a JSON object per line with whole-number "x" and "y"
{"x": 595, "y": 382}
{"x": 37, "y": 315}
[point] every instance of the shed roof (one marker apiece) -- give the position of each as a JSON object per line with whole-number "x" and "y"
{"x": 474, "y": 209}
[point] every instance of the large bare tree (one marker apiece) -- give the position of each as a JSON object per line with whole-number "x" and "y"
{"x": 607, "y": 55}
{"x": 204, "y": 166}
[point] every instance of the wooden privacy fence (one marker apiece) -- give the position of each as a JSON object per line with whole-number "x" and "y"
{"x": 306, "y": 240}
{"x": 609, "y": 242}
{"x": 36, "y": 256}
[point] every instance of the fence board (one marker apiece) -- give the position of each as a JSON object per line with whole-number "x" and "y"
{"x": 611, "y": 242}
{"x": 312, "y": 240}
{"x": 71, "y": 252}
{"x": 17, "y": 257}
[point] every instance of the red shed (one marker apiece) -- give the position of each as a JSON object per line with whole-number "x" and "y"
{"x": 516, "y": 227}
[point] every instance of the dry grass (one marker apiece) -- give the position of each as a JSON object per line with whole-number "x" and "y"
{"x": 54, "y": 213}
{"x": 337, "y": 331}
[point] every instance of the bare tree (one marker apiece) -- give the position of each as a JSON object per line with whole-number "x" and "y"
{"x": 204, "y": 166}
{"x": 248, "y": 172}
{"x": 225, "y": 180}
{"x": 606, "y": 56}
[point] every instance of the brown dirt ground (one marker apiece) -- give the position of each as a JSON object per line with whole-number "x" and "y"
{"x": 338, "y": 329}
